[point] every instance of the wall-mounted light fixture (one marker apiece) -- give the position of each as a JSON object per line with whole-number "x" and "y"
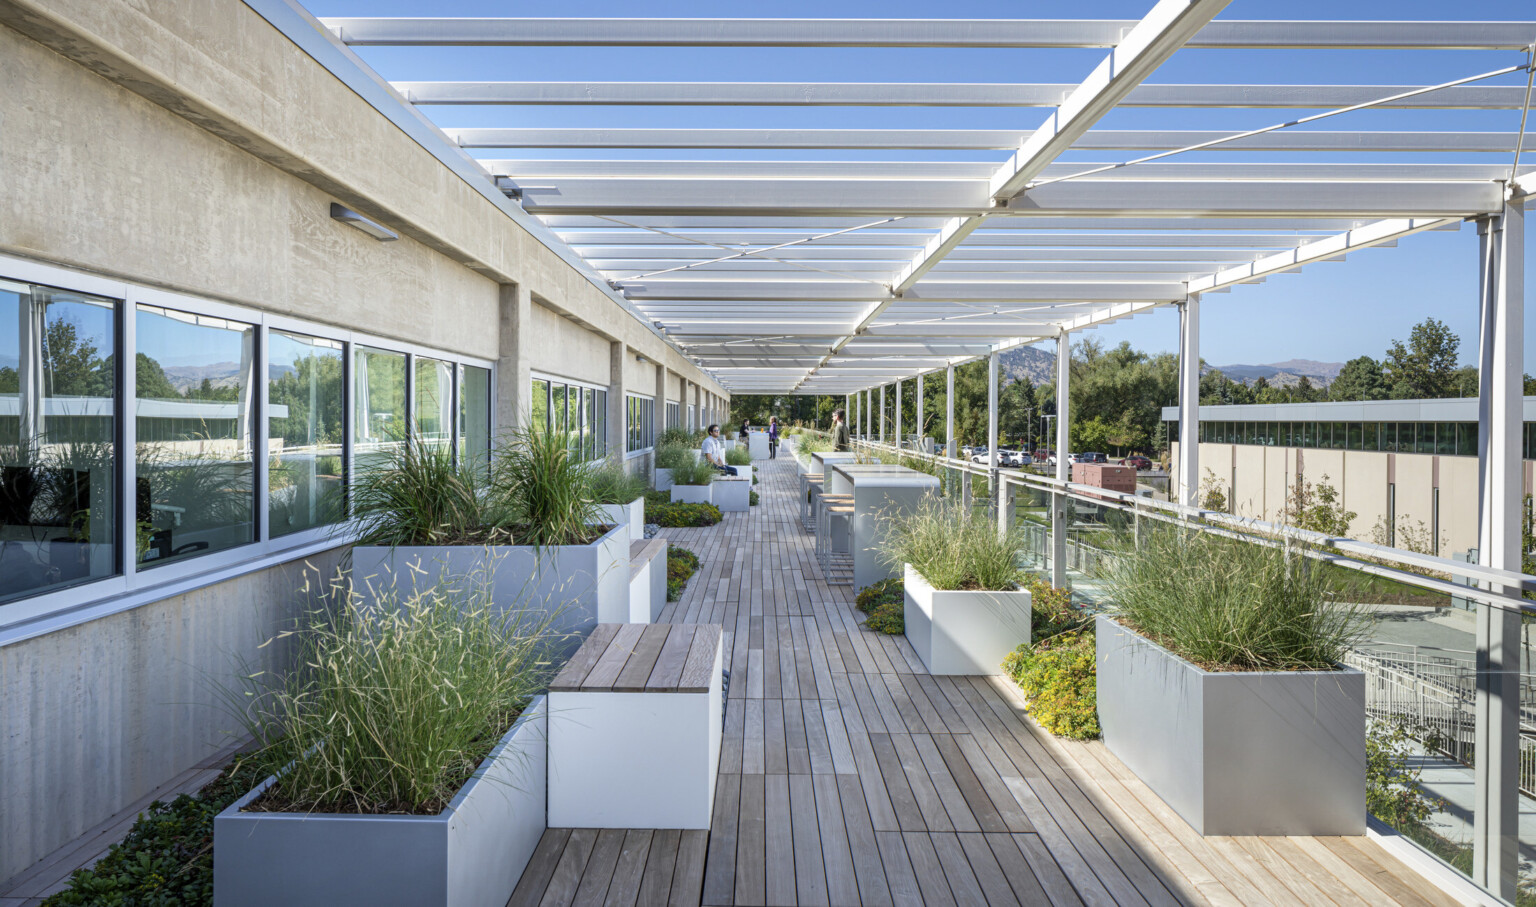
{"x": 348, "y": 216}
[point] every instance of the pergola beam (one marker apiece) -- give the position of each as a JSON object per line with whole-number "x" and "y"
{"x": 943, "y": 94}
{"x": 1035, "y": 33}
{"x": 972, "y": 139}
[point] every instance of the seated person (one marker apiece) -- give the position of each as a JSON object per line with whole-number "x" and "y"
{"x": 714, "y": 451}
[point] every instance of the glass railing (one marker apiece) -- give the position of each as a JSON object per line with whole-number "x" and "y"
{"x": 1420, "y": 654}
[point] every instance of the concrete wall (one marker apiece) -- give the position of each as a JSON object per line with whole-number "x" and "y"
{"x": 96, "y": 716}
{"x": 564, "y": 348}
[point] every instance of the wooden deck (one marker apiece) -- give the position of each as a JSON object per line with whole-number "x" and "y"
{"x": 848, "y": 775}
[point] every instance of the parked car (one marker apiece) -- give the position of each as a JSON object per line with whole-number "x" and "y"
{"x": 1138, "y": 461}
{"x": 1091, "y": 458}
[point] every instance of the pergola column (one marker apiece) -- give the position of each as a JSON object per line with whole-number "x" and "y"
{"x": 869, "y": 407}
{"x": 659, "y": 412}
{"x": 1496, "y": 809}
{"x": 1059, "y": 501}
{"x": 882, "y": 414}
{"x": 918, "y": 421}
{"x": 998, "y": 498}
{"x": 1187, "y": 490}
{"x": 898, "y": 414}
{"x": 950, "y": 447}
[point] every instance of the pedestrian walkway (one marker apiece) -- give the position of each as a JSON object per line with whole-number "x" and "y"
{"x": 848, "y": 775}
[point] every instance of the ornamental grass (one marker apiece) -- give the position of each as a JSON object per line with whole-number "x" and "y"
{"x": 953, "y": 546}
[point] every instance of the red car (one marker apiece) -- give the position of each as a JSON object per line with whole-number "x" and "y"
{"x": 1138, "y": 461}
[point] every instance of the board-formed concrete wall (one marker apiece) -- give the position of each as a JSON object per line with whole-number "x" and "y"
{"x": 96, "y": 716}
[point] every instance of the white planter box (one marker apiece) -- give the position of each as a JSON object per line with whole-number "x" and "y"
{"x": 663, "y": 479}
{"x": 636, "y": 759}
{"x": 1235, "y": 752}
{"x": 586, "y": 584}
{"x": 757, "y": 442}
{"x": 469, "y": 855}
{"x": 631, "y": 515}
{"x": 731, "y": 495}
{"x": 958, "y": 632}
{"x": 692, "y": 494}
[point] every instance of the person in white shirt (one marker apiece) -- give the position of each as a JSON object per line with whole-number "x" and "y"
{"x": 714, "y": 451}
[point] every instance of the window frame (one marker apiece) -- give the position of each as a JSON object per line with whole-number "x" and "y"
{"x": 599, "y": 442}
{"x": 47, "y": 612}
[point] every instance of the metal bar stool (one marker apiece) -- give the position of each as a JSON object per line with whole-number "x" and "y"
{"x": 830, "y": 515}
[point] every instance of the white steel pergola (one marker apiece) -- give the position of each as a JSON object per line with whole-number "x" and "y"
{"x": 779, "y": 274}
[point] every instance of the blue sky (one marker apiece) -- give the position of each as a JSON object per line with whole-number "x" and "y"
{"x": 1328, "y": 312}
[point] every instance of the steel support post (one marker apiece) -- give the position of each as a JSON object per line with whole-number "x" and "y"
{"x": 882, "y": 414}
{"x": 917, "y": 422}
{"x": 1496, "y": 832}
{"x": 992, "y": 458}
{"x": 1059, "y": 501}
{"x": 1187, "y": 487}
{"x": 898, "y": 414}
{"x": 951, "y": 447}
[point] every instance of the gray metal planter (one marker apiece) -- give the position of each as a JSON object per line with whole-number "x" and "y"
{"x": 663, "y": 479}
{"x": 469, "y": 855}
{"x": 1236, "y": 753}
{"x": 692, "y": 494}
{"x": 585, "y": 584}
{"x": 631, "y": 515}
{"x": 962, "y": 632}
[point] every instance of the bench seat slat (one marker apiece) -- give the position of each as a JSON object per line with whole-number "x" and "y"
{"x": 638, "y": 669}
{"x": 580, "y": 665}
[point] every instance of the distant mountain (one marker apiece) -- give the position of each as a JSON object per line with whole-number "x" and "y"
{"x": 1283, "y": 374}
{"x": 1029, "y": 362}
{"x": 219, "y": 374}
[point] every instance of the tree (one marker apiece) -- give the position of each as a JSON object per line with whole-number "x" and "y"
{"x": 1317, "y": 508}
{"x": 1425, "y": 367}
{"x": 1359, "y": 379}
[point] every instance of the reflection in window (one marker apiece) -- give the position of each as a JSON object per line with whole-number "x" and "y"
{"x": 433, "y": 404}
{"x": 194, "y": 422}
{"x": 600, "y": 424}
{"x": 306, "y": 402}
{"x": 539, "y": 416}
{"x": 475, "y": 415}
{"x": 378, "y": 388}
{"x": 588, "y": 422}
{"x": 57, "y": 428}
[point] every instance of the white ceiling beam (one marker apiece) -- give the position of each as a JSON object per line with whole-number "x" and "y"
{"x": 518, "y": 172}
{"x": 1037, "y": 242}
{"x": 1110, "y": 198}
{"x": 944, "y": 94}
{"x": 973, "y": 139}
{"x": 933, "y": 292}
{"x": 1376, "y": 234}
{"x": 1000, "y": 220}
{"x": 662, "y": 256}
{"x": 1038, "y": 33}
{"x": 1155, "y": 38}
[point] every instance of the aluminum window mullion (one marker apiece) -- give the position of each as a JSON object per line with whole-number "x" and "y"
{"x": 127, "y": 466}
{"x": 261, "y": 481}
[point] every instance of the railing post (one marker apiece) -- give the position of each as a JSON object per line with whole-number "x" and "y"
{"x": 951, "y": 446}
{"x": 1059, "y": 500}
{"x": 1186, "y": 482}
{"x": 1496, "y": 805}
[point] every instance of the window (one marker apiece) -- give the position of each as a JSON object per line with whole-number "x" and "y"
{"x": 540, "y": 403}
{"x": 1445, "y": 439}
{"x": 589, "y": 423}
{"x": 1340, "y": 435}
{"x": 1371, "y": 436}
{"x": 378, "y": 390}
{"x": 306, "y": 437}
{"x": 1425, "y": 438}
{"x": 641, "y": 413}
{"x": 58, "y": 439}
{"x": 577, "y": 412}
{"x": 432, "y": 402}
{"x": 599, "y": 423}
{"x": 194, "y": 426}
{"x": 475, "y": 415}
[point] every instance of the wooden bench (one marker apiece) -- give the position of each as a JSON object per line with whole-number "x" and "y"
{"x": 634, "y": 728}
{"x": 647, "y": 579}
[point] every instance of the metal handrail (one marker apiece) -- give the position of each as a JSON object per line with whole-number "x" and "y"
{"x": 1320, "y": 545}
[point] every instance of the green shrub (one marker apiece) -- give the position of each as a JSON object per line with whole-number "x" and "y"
{"x": 395, "y": 703}
{"x": 1228, "y": 604}
{"x": 1060, "y": 679}
{"x": 694, "y": 472}
{"x": 681, "y": 564}
{"x": 884, "y": 602}
{"x": 419, "y": 496}
{"x": 167, "y": 856}
{"x": 752, "y": 498}
{"x": 954, "y": 547}
{"x": 738, "y": 456}
{"x": 611, "y": 483}
{"x": 1393, "y": 792}
{"x": 672, "y": 454}
{"x": 1052, "y": 612}
{"x": 548, "y": 493}
{"x": 682, "y": 516}
{"x": 681, "y": 436}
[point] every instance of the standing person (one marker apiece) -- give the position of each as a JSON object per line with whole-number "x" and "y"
{"x": 840, "y": 440}
{"x": 714, "y": 451}
{"x": 743, "y": 436}
{"x": 773, "y": 438}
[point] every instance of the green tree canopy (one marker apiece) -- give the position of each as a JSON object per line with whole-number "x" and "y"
{"x": 1425, "y": 367}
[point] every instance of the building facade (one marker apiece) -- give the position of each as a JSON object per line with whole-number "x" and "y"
{"x": 1407, "y": 468}
{"x": 301, "y": 287}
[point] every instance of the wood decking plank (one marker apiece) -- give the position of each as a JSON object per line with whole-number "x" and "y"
{"x": 929, "y": 871}
{"x": 836, "y": 855}
{"x": 598, "y": 874}
{"x": 864, "y": 849}
{"x": 688, "y": 874}
{"x": 541, "y": 866}
{"x": 720, "y": 867}
{"x": 810, "y": 874}
{"x": 751, "y": 850}
{"x": 780, "y": 843}
{"x": 661, "y": 859}
{"x": 624, "y": 889}
{"x": 568, "y": 870}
